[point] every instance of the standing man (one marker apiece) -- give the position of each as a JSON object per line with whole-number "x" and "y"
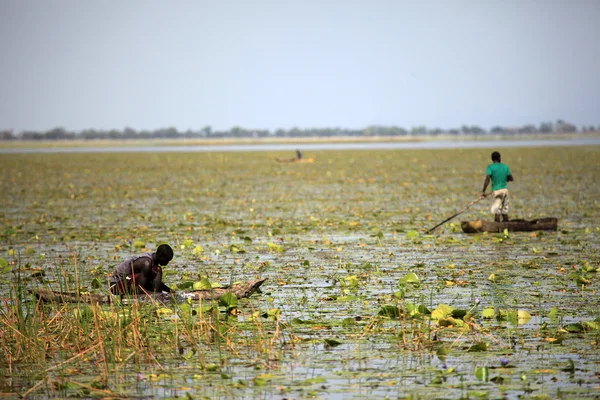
{"x": 142, "y": 273}
{"x": 500, "y": 175}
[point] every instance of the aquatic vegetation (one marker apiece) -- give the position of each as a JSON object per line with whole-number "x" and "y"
{"x": 359, "y": 299}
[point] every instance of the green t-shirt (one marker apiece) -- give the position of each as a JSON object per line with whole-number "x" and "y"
{"x": 499, "y": 173}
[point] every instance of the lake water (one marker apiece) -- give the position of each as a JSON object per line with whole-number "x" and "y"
{"x": 444, "y": 144}
{"x": 343, "y": 248}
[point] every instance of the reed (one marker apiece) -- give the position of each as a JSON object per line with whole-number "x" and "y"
{"x": 49, "y": 341}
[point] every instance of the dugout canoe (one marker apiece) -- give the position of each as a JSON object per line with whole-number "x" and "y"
{"x": 241, "y": 290}
{"x": 517, "y": 225}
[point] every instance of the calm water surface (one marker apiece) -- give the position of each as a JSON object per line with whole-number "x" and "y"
{"x": 446, "y": 144}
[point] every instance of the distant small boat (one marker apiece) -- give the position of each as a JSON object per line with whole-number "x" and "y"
{"x": 295, "y": 160}
{"x": 516, "y": 225}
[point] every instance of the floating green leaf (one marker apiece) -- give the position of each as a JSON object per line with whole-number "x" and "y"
{"x": 442, "y": 352}
{"x": 4, "y": 267}
{"x": 275, "y": 247}
{"x": 236, "y": 249}
{"x": 351, "y": 281}
{"x": 312, "y": 381}
{"x": 410, "y": 278}
{"x": 553, "y": 314}
{"x": 187, "y": 244}
{"x": 488, "y": 313}
{"x": 299, "y": 321}
{"x": 272, "y": 314}
{"x": 482, "y": 374}
{"x": 203, "y": 284}
{"x": 211, "y": 367}
{"x": 389, "y": 310}
{"x": 189, "y": 354}
{"x": 451, "y": 322}
{"x": 478, "y": 347}
{"x": 202, "y": 310}
{"x": 441, "y": 311}
{"x": 570, "y": 367}
{"x": 186, "y": 308}
{"x": 587, "y": 268}
{"x": 198, "y": 250}
{"x": 347, "y": 298}
{"x": 523, "y": 317}
{"x": 332, "y": 342}
{"x": 519, "y": 317}
{"x": 164, "y": 311}
{"x": 412, "y": 234}
{"x": 578, "y": 279}
{"x": 458, "y": 313}
{"x": 593, "y": 325}
{"x": 574, "y": 328}
{"x": 228, "y": 300}
{"x": 436, "y": 381}
{"x": 185, "y": 285}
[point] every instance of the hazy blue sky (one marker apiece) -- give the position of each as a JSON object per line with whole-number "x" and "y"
{"x": 316, "y": 63}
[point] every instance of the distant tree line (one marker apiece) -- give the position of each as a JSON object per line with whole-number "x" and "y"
{"x": 207, "y": 132}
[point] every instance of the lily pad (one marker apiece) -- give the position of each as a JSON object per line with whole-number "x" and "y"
{"x": 410, "y": 278}
{"x": 488, "y": 313}
{"x": 228, "y": 300}
{"x": 389, "y": 310}
{"x": 4, "y": 267}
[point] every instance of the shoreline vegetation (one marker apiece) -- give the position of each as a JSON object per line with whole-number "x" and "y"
{"x": 74, "y": 143}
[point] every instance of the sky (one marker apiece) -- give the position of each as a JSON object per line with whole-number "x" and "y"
{"x": 270, "y": 64}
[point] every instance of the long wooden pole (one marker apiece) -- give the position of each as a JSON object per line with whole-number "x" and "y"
{"x": 458, "y": 213}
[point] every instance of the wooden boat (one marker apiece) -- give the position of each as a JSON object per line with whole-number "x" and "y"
{"x": 241, "y": 290}
{"x": 516, "y": 225}
{"x": 295, "y": 160}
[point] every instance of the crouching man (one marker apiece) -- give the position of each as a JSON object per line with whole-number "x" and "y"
{"x": 142, "y": 274}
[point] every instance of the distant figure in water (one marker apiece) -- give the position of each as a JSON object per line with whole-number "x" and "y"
{"x": 500, "y": 175}
{"x": 298, "y": 155}
{"x": 142, "y": 273}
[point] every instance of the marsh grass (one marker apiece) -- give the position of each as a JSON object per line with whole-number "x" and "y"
{"x": 49, "y": 342}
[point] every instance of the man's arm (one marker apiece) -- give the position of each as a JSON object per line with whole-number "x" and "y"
{"x": 509, "y": 178}
{"x": 164, "y": 288}
{"x": 156, "y": 284}
{"x": 485, "y": 185}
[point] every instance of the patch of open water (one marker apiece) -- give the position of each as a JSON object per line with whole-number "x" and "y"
{"x": 424, "y": 145}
